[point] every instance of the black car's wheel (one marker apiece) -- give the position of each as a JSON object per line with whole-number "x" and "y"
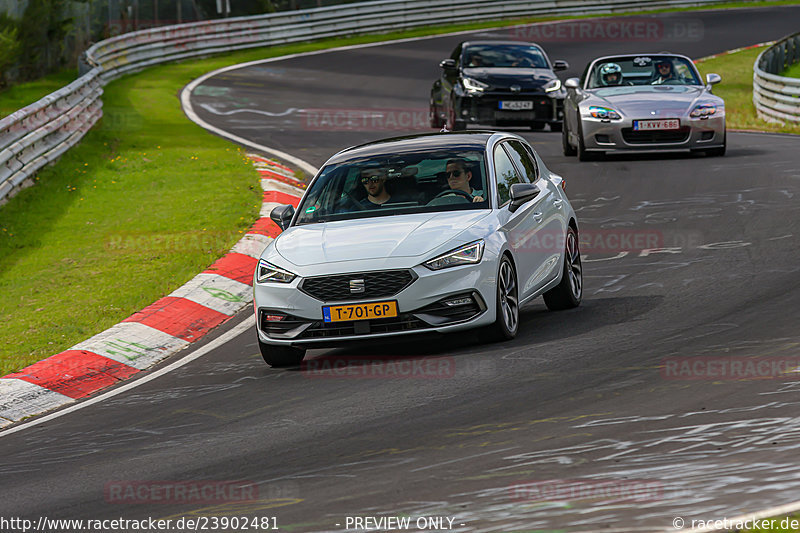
{"x": 536, "y": 126}
{"x": 434, "y": 114}
{"x": 279, "y": 356}
{"x": 556, "y": 126}
{"x": 452, "y": 123}
{"x": 566, "y": 147}
{"x": 568, "y": 293}
{"x": 506, "y": 325}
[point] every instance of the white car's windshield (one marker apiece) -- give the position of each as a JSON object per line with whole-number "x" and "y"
{"x": 392, "y": 184}
{"x": 642, "y": 70}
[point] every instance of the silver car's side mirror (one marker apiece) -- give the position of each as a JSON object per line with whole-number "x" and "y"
{"x": 713, "y": 79}
{"x": 572, "y": 83}
{"x": 521, "y": 193}
{"x": 282, "y": 215}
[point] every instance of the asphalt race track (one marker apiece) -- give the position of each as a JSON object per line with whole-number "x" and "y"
{"x": 585, "y": 400}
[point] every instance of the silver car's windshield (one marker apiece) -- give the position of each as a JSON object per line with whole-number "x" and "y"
{"x": 392, "y": 184}
{"x": 642, "y": 70}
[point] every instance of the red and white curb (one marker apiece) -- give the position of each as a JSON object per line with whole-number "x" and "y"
{"x": 160, "y": 329}
{"x": 735, "y": 50}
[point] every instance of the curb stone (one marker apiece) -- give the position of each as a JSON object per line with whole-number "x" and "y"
{"x": 160, "y": 329}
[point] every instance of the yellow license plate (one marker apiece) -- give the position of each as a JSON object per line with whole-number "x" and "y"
{"x": 370, "y": 311}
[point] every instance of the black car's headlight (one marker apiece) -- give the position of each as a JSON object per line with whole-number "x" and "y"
{"x": 552, "y": 85}
{"x": 269, "y": 273}
{"x": 469, "y": 254}
{"x": 473, "y": 86}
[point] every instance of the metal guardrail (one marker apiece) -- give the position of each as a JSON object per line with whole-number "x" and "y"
{"x": 777, "y": 98}
{"x": 37, "y": 134}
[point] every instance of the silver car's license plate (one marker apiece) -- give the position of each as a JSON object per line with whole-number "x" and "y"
{"x": 646, "y": 125}
{"x": 516, "y": 105}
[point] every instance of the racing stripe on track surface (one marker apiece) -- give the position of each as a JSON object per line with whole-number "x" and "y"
{"x": 160, "y": 329}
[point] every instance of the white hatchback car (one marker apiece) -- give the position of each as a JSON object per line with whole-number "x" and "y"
{"x": 430, "y": 233}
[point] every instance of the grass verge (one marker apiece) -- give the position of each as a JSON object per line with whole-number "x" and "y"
{"x": 99, "y": 237}
{"x": 737, "y": 89}
{"x": 784, "y": 524}
{"x": 793, "y": 71}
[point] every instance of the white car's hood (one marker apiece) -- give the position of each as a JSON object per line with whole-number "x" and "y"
{"x": 373, "y": 238}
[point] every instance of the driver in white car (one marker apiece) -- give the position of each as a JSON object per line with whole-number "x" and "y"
{"x": 458, "y": 177}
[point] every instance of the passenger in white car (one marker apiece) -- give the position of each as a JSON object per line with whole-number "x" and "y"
{"x": 374, "y": 181}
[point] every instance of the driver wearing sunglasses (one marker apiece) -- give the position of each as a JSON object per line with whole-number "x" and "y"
{"x": 374, "y": 181}
{"x": 458, "y": 177}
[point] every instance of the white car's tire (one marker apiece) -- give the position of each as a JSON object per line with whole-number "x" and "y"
{"x": 568, "y": 293}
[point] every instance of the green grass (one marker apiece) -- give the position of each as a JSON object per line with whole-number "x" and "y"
{"x": 793, "y": 71}
{"x": 778, "y": 528}
{"x": 92, "y": 242}
{"x": 18, "y": 96}
{"x": 737, "y": 89}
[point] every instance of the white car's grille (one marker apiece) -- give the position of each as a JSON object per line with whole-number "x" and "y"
{"x": 357, "y": 286}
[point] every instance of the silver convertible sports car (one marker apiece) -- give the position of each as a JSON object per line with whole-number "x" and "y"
{"x": 430, "y": 233}
{"x": 642, "y": 102}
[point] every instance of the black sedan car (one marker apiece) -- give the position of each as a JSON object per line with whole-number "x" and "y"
{"x": 498, "y": 83}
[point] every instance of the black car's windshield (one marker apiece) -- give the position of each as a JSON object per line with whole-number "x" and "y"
{"x": 643, "y": 70}
{"x": 392, "y": 184}
{"x": 504, "y": 56}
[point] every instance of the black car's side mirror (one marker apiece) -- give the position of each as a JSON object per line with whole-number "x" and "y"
{"x": 282, "y": 215}
{"x": 560, "y": 64}
{"x": 521, "y": 193}
{"x": 448, "y": 64}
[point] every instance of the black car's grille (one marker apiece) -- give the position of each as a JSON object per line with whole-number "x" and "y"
{"x": 379, "y": 284}
{"x": 655, "y": 136}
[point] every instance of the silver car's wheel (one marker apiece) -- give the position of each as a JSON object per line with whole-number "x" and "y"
{"x": 568, "y": 293}
{"x": 507, "y": 323}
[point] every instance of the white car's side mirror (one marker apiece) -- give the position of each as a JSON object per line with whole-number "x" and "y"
{"x": 713, "y": 79}
{"x": 572, "y": 83}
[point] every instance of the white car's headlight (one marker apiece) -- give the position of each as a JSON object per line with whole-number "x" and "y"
{"x": 552, "y": 85}
{"x": 604, "y": 112}
{"x": 474, "y": 86}
{"x": 269, "y": 273}
{"x": 468, "y": 254}
{"x": 703, "y": 110}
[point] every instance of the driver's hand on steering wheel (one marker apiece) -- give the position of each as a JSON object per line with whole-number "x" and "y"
{"x": 477, "y": 199}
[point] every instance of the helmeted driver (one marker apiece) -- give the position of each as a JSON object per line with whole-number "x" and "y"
{"x": 611, "y": 74}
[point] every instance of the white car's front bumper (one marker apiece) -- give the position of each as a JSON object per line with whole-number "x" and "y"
{"x": 416, "y": 304}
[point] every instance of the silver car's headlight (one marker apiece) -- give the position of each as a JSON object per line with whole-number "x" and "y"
{"x": 469, "y": 254}
{"x": 703, "y": 110}
{"x": 474, "y": 86}
{"x": 552, "y": 85}
{"x": 269, "y": 273}
{"x": 604, "y": 112}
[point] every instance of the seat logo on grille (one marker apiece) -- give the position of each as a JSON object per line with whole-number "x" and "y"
{"x": 357, "y": 286}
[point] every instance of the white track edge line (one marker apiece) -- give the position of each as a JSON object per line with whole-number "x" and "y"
{"x": 219, "y": 341}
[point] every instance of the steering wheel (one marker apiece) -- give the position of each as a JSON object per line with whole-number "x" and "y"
{"x": 346, "y": 199}
{"x": 466, "y": 195}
